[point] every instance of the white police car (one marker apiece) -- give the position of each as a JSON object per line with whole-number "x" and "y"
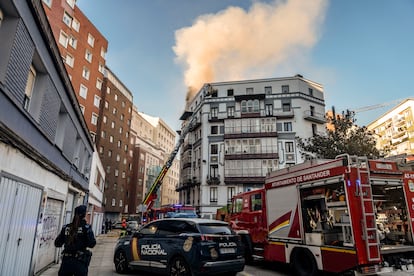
{"x": 181, "y": 246}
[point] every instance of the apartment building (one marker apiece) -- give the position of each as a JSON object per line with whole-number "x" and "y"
{"x": 113, "y": 144}
{"x": 83, "y": 49}
{"x": 154, "y": 140}
{"x": 164, "y": 137}
{"x": 243, "y": 130}
{"x": 394, "y": 130}
{"x": 45, "y": 147}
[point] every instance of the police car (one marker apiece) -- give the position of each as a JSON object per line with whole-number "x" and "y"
{"x": 181, "y": 246}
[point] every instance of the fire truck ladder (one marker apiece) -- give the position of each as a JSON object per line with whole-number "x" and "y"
{"x": 369, "y": 228}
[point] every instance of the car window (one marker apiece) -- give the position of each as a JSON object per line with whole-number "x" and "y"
{"x": 214, "y": 229}
{"x": 150, "y": 229}
{"x": 173, "y": 227}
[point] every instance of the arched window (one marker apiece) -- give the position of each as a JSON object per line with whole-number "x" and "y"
{"x": 244, "y": 106}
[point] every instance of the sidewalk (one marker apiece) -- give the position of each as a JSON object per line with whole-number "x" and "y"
{"x": 102, "y": 259}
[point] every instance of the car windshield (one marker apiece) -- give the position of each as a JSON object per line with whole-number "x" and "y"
{"x": 214, "y": 229}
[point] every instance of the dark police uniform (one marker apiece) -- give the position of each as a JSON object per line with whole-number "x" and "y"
{"x": 75, "y": 256}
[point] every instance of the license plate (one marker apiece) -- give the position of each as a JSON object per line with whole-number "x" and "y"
{"x": 227, "y": 250}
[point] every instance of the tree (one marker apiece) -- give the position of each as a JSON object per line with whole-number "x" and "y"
{"x": 343, "y": 136}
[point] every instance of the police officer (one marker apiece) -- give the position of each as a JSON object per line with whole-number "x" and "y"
{"x": 76, "y": 237}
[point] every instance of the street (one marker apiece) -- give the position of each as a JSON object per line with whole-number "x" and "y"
{"x": 102, "y": 262}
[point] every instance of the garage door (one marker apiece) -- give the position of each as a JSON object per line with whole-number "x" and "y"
{"x": 19, "y": 209}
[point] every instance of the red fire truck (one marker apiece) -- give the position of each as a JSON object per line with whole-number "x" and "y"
{"x": 341, "y": 215}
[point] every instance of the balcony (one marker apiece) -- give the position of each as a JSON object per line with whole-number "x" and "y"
{"x": 188, "y": 183}
{"x": 282, "y": 114}
{"x": 213, "y": 180}
{"x": 314, "y": 116}
{"x": 215, "y": 118}
{"x": 258, "y": 180}
{"x": 242, "y": 156}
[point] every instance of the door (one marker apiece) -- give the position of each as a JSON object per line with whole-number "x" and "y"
{"x": 19, "y": 210}
{"x": 49, "y": 231}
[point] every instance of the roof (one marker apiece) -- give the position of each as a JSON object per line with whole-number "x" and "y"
{"x": 152, "y": 120}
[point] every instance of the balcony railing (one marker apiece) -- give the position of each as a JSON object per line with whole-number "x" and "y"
{"x": 314, "y": 116}
{"x": 213, "y": 180}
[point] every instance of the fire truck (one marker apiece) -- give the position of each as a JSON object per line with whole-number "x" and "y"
{"x": 349, "y": 214}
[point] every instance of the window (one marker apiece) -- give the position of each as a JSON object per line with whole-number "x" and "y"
{"x": 113, "y": 124}
{"x": 103, "y": 134}
{"x": 250, "y": 106}
{"x": 99, "y": 84}
{"x": 230, "y": 92}
{"x": 214, "y": 129}
{"x": 67, "y": 19}
{"x": 73, "y": 42}
{"x": 287, "y": 126}
{"x": 86, "y": 73}
{"x": 116, "y": 97}
{"x": 111, "y": 139}
{"x": 71, "y": 3}
{"x": 213, "y": 112}
{"x": 75, "y": 24}
{"x": 256, "y": 202}
{"x": 249, "y": 90}
{"x": 113, "y": 202}
{"x": 214, "y": 171}
{"x": 109, "y": 153}
{"x": 91, "y": 40}
{"x": 69, "y": 60}
{"x": 101, "y": 68}
{"x": 269, "y": 109}
{"x": 83, "y": 91}
{"x": 63, "y": 39}
{"x": 88, "y": 55}
{"x": 29, "y": 87}
{"x": 230, "y": 111}
{"x": 213, "y": 194}
{"x": 106, "y": 105}
{"x": 286, "y": 107}
{"x": 96, "y": 101}
{"x": 103, "y": 52}
{"x": 285, "y": 88}
{"x": 101, "y": 149}
{"x": 213, "y": 149}
{"x": 289, "y": 147}
{"x": 231, "y": 191}
{"x": 48, "y": 3}
{"x": 310, "y": 91}
{"x": 312, "y": 110}
{"x": 94, "y": 119}
{"x": 314, "y": 129}
{"x": 82, "y": 108}
{"x": 268, "y": 90}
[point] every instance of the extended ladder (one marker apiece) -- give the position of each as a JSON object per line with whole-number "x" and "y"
{"x": 369, "y": 227}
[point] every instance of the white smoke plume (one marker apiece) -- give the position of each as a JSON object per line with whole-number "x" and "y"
{"x": 236, "y": 44}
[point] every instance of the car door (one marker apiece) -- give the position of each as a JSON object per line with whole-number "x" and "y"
{"x": 141, "y": 246}
{"x": 165, "y": 245}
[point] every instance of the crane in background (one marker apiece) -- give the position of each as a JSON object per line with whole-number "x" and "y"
{"x": 375, "y": 106}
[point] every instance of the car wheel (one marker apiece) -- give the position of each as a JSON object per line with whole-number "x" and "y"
{"x": 304, "y": 263}
{"x": 179, "y": 267}
{"x": 121, "y": 262}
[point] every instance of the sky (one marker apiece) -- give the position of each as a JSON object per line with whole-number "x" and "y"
{"x": 362, "y": 52}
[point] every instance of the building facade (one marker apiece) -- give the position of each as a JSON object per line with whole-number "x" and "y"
{"x": 394, "y": 130}
{"x": 83, "y": 49}
{"x": 113, "y": 143}
{"x": 154, "y": 142}
{"x": 45, "y": 147}
{"x": 243, "y": 130}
